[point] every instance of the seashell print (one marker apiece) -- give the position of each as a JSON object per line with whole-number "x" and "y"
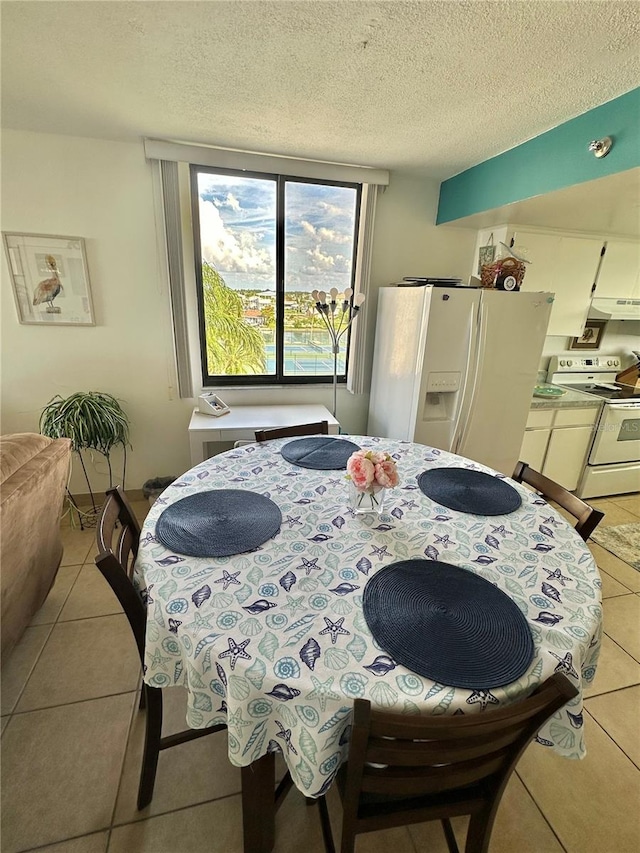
{"x": 363, "y": 565}
{"x": 310, "y": 652}
{"x": 259, "y": 606}
{"x": 396, "y": 512}
{"x": 256, "y": 470}
{"x": 338, "y": 522}
{"x": 381, "y": 665}
{"x": 287, "y": 581}
{"x": 576, "y": 720}
{"x": 336, "y": 658}
{"x": 202, "y": 475}
{"x": 304, "y": 501}
{"x": 221, "y": 674}
{"x": 283, "y": 692}
{"x": 170, "y": 561}
{"x": 256, "y": 673}
{"x": 546, "y": 618}
{"x": 546, "y": 530}
{"x": 384, "y": 527}
{"x": 492, "y": 541}
{"x": 250, "y": 627}
{"x": 484, "y": 560}
{"x": 543, "y": 741}
{"x": 174, "y": 624}
{"x": 383, "y": 695}
{"x": 431, "y": 552}
{"x": 201, "y": 595}
{"x": 357, "y": 647}
{"x": 319, "y": 537}
{"x": 344, "y": 588}
{"x": 341, "y": 607}
{"x": 551, "y": 592}
{"x": 442, "y": 518}
{"x": 321, "y": 490}
{"x": 542, "y": 546}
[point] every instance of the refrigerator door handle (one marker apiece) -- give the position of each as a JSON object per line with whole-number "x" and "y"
{"x": 471, "y": 352}
{"x": 481, "y": 345}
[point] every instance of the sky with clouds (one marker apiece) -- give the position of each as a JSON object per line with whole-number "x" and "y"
{"x": 237, "y": 226}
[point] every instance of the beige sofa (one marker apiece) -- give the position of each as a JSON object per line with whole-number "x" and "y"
{"x": 33, "y": 475}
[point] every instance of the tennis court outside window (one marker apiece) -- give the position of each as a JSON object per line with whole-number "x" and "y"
{"x": 263, "y": 243}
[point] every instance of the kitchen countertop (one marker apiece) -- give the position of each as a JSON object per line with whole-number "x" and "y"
{"x": 570, "y": 400}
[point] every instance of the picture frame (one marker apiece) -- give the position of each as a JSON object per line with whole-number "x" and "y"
{"x": 50, "y": 279}
{"x": 486, "y": 255}
{"x": 591, "y": 336}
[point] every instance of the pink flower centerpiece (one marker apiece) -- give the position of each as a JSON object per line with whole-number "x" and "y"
{"x": 370, "y": 472}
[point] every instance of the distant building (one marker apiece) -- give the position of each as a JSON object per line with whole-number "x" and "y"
{"x": 253, "y": 317}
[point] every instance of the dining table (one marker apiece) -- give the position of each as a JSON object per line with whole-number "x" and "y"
{"x": 274, "y": 641}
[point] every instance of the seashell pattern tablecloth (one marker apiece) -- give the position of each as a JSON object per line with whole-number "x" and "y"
{"x": 275, "y": 644}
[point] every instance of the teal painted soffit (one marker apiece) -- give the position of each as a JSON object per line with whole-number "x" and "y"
{"x": 555, "y": 159}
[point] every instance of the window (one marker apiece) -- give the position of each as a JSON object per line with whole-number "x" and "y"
{"x": 263, "y": 242}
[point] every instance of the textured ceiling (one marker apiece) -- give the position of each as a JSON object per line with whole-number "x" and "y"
{"x": 428, "y": 86}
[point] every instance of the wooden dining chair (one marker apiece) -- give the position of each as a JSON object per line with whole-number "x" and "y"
{"x": 118, "y": 534}
{"x": 320, "y": 428}
{"x": 404, "y": 769}
{"x": 587, "y": 517}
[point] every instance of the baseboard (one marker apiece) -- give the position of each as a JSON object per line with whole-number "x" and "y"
{"x": 85, "y": 500}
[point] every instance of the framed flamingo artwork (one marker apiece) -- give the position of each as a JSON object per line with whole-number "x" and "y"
{"x": 50, "y": 279}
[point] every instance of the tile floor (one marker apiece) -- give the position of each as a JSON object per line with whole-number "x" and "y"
{"x": 72, "y": 740}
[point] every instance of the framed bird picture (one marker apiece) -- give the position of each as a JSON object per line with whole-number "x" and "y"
{"x": 50, "y": 279}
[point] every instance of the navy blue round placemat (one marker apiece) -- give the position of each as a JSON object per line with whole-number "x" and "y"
{"x": 447, "y": 624}
{"x": 218, "y": 523}
{"x": 322, "y": 452}
{"x": 469, "y": 491}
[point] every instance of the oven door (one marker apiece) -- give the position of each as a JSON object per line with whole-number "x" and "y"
{"x": 617, "y": 437}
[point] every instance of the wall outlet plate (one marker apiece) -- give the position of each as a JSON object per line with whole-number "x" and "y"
{"x": 211, "y": 404}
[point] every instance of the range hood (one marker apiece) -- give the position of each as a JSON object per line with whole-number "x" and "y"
{"x": 614, "y": 309}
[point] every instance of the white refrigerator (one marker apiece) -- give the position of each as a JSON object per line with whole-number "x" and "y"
{"x": 455, "y": 368}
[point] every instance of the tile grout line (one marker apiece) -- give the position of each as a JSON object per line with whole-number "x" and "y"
{"x": 544, "y": 817}
{"x": 44, "y": 645}
{"x": 613, "y": 741}
{"x": 124, "y": 760}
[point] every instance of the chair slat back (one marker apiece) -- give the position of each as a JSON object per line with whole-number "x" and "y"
{"x": 118, "y": 535}
{"x": 399, "y": 755}
{"x": 587, "y": 517}
{"x": 319, "y": 428}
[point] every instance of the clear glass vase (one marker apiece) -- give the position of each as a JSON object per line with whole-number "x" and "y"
{"x": 367, "y": 501}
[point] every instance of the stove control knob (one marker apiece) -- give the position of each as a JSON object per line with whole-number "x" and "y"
{"x": 569, "y": 362}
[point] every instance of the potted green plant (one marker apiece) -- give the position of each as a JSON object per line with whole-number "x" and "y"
{"x": 94, "y": 421}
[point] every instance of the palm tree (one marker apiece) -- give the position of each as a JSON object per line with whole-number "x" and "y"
{"x": 233, "y": 346}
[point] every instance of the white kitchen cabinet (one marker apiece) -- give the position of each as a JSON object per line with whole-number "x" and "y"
{"x": 619, "y": 275}
{"x": 567, "y": 266}
{"x": 556, "y": 442}
{"x": 566, "y": 454}
{"x": 534, "y": 447}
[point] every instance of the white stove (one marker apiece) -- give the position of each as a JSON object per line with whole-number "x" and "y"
{"x": 613, "y": 461}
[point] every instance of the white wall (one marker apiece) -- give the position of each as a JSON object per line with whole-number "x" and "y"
{"x": 103, "y": 191}
{"x": 620, "y": 338}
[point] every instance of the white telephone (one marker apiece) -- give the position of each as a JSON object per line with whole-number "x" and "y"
{"x": 211, "y": 404}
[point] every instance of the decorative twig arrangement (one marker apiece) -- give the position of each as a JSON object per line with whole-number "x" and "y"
{"x": 338, "y": 317}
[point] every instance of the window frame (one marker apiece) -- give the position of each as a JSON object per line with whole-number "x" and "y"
{"x": 280, "y": 180}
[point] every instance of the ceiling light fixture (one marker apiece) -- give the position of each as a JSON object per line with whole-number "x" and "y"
{"x": 601, "y": 147}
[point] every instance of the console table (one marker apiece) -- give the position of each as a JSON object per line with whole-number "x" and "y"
{"x": 242, "y": 422}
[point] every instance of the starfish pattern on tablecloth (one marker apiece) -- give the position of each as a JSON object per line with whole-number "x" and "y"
{"x": 322, "y": 691}
{"x": 227, "y": 579}
{"x": 556, "y": 575}
{"x": 334, "y": 628}
{"x": 309, "y": 565}
{"x": 235, "y": 651}
{"x": 565, "y": 665}
{"x": 483, "y": 697}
